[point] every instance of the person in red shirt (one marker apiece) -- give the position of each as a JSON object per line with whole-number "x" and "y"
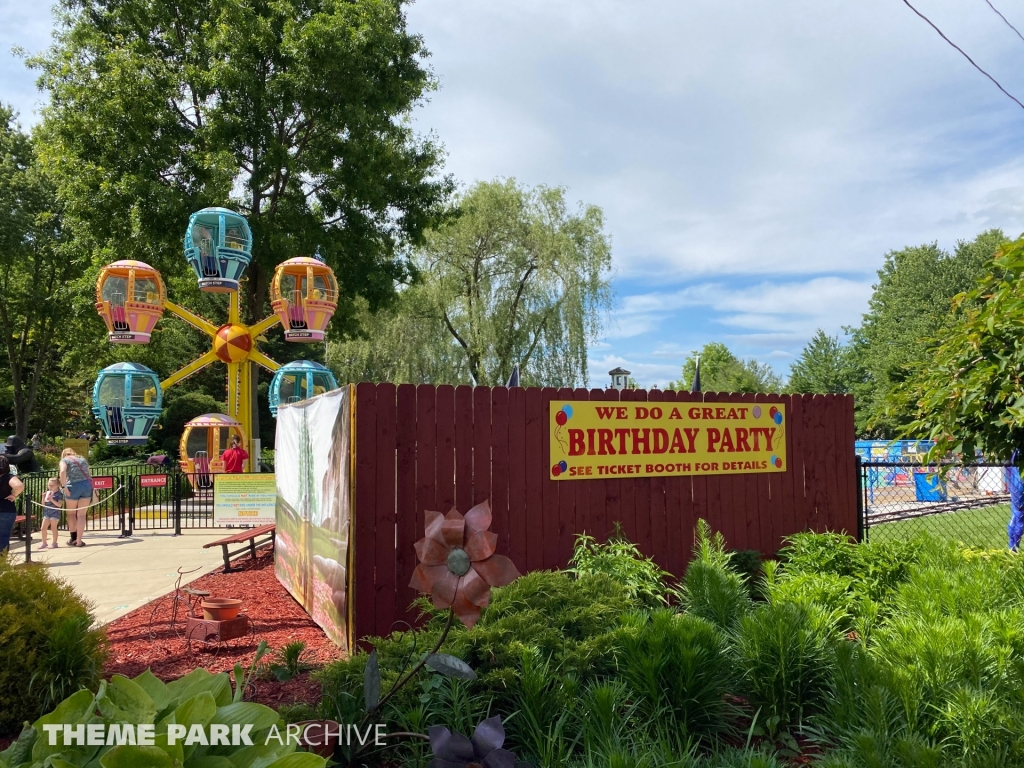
{"x": 234, "y": 456}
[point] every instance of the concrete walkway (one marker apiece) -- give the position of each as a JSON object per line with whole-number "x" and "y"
{"x": 119, "y": 575}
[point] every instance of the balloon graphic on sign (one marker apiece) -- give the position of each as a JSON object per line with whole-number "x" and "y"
{"x": 777, "y": 418}
{"x": 561, "y": 418}
{"x": 563, "y": 466}
{"x": 757, "y": 411}
{"x": 567, "y": 410}
{"x": 556, "y": 470}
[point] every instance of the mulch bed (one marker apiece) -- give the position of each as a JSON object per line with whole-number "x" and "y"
{"x": 145, "y": 638}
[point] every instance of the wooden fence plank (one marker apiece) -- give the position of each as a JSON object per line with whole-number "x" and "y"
{"x": 583, "y": 508}
{"x": 445, "y": 431}
{"x": 426, "y": 489}
{"x": 499, "y": 467}
{"x": 657, "y": 525}
{"x": 463, "y": 447}
{"x": 536, "y": 472}
{"x": 566, "y": 496}
{"x": 549, "y": 487}
{"x": 517, "y": 497}
{"x": 627, "y": 489}
{"x": 481, "y": 444}
{"x": 385, "y": 584}
{"x": 365, "y": 509}
{"x": 597, "y": 520}
{"x": 408, "y": 522}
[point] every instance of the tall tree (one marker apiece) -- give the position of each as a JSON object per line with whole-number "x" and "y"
{"x": 36, "y": 271}
{"x": 515, "y": 278}
{"x": 822, "y": 367}
{"x": 723, "y": 371}
{"x": 911, "y": 304}
{"x": 968, "y": 394}
{"x": 294, "y": 112}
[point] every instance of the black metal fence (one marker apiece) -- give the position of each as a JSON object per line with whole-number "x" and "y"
{"x": 967, "y": 504}
{"x": 131, "y": 497}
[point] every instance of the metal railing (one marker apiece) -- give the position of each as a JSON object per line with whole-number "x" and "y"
{"x": 969, "y": 504}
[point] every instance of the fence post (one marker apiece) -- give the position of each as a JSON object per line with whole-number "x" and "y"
{"x": 122, "y": 507}
{"x": 29, "y": 520}
{"x": 177, "y": 503}
{"x": 862, "y": 529}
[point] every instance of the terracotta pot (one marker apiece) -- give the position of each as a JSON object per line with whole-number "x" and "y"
{"x": 220, "y": 608}
{"x": 320, "y": 736}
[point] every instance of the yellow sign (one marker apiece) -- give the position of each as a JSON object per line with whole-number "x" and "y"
{"x": 592, "y": 440}
{"x": 81, "y": 447}
{"x": 244, "y": 499}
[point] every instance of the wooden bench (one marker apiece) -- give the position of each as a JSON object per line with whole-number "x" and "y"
{"x": 249, "y": 538}
{"x": 20, "y": 520}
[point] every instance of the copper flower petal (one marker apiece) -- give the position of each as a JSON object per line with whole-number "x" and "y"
{"x": 497, "y": 570}
{"x": 424, "y": 576}
{"x": 480, "y": 545}
{"x": 453, "y": 530}
{"x": 432, "y": 529}
{"x": 430, "y": 552}
{"x": 468, "y": 613}
{"x": 479, "y": 517}
{"x": 475, "y": 589}
{"x": 444, "y": 588}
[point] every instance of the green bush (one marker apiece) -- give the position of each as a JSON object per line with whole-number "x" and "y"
{"x": 678, "y": 668}
{"x": 39, "y": 619}
{"x": 711, "y": 588}
{"x": 786, "y": 653}
{"x": 198, "y": 699}
{"x": 621, "y": 560}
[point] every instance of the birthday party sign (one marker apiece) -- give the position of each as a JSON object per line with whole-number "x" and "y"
{"x": 593, "y": 440}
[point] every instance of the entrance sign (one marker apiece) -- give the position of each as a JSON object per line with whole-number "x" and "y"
{"x": 153, "y": 481}
{"x": 244, "y": 499}
{"x": 592, "y": 439}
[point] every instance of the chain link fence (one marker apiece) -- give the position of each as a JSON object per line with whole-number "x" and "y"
{"x": 969, "y": 504}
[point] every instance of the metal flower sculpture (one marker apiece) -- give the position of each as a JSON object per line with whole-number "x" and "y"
{"x": 458, "y": 566}
{"x": 453, "y": 750}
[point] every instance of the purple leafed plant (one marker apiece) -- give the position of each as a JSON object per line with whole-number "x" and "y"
{"x": 453, "y": 750}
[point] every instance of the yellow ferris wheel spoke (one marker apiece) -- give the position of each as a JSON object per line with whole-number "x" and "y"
{"x": 264, "y": 325}
{"x": 183, "y": 373}
{"x": 260, "y": 359}
{"x": 192, "y": 319}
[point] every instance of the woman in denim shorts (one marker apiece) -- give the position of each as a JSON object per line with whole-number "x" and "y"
{"x": 76, "y": 480}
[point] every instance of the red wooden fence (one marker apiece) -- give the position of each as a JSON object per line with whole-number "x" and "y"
{"x": 431, "y": 447}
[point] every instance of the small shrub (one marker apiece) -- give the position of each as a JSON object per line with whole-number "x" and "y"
{"x": 786, "y": 655}
{"x": 71, "y": 660}
{"x": 677, "y": 665}
{"x": 38, "y": 618}
{"x": 711, "y": 589}
{"x": 622, "y": 561}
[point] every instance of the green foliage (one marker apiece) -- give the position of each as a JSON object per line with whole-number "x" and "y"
{"x": 71, "y": 660}
{"x": 968, "y": 395}
{"x": 679, "y": 668}
{"x": 40, "y": 617}
{"x": 515, "y": 278}
{"x": 712, "y": 589}
{"x": 178, "y": 411}
{"x": 622, "y": 561}
{"x": 912, "y": 305}
{"x": 786, "y": 654}
{"x": 823, "y": 366}
{"x": 722, "y": 371}
{"x": 198, "y": 699}
{"x": 296, "y": 113}
{"x": 288, "y": 662}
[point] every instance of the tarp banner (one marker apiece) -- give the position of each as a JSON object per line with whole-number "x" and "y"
{"x": 593, "y": 440}
{"x": 312, "y": 463}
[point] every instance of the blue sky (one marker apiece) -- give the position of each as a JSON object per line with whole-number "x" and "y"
{"x": 754, "y": 160}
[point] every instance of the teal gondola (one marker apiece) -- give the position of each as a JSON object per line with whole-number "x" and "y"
{"x": 218, "y": 246}
{"x": 127, "y": 400}
{"x": 299, "y": 380}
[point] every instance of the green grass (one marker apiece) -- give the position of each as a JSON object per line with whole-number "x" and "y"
{"x": 984, "y": 528}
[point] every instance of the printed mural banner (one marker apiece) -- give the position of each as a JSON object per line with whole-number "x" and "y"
{"x": 313, "y": 466}
{"x": 592, "y": 439}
